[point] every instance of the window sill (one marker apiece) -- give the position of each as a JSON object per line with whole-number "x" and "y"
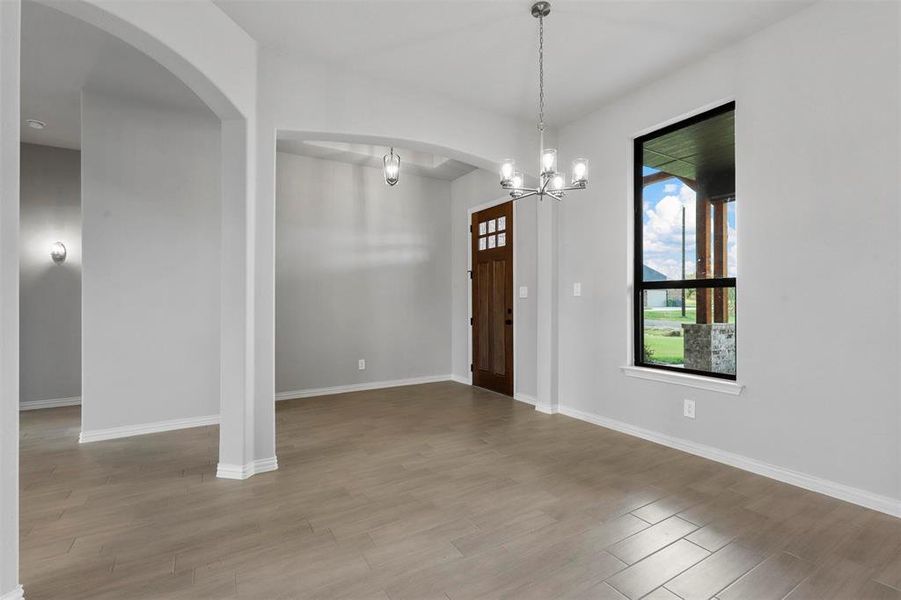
{"x": 712, "y": 384}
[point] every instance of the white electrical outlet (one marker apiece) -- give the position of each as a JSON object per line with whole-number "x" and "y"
{"x": 577, "y": 289}
{"x": 688, "y": 408}
{"x": 361, "y": 364}
{"x": 523, "y": 292}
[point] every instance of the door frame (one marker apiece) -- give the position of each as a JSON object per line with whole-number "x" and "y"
{"x": 469, "y": 213}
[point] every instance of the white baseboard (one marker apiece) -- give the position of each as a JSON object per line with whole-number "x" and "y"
{"x": 112, "y": 433}
{"x": 16, "y": 594}
{"x": 547, "y": 409}
{"x": 885, "y": 504}
{"x": 462, "y": 379}
{"x": 525, "y": 398}
{"x": 360, "y": 387}
{"x": 263, "y": 465}
{"x": 49, "y": 403}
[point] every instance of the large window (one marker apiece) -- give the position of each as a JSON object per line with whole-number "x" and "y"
{"x": 685, "y": 246}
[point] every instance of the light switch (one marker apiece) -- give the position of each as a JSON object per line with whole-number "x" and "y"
{"x": 577, "y": 289}
{"x": 523, "y": 291}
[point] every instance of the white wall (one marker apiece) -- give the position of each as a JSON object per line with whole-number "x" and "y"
{"x": 50, "y": 293}
{"x": 473, "y": 189}
{"x": 10, "y": 15}
{"x": 817, "y": 150}
{"x": 151, "y": 278}
{"x": 362, "y": 271}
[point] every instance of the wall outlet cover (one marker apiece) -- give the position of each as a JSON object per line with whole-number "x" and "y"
{"x": 361, "y": 364}
{"x": 523, "y": 291}
{"x": 688, "y": 408}
{"x": 577, "y": 289}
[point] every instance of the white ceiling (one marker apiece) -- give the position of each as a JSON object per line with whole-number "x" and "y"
{"x": 61, "y": 55}
{"x": 484, "y": 53}
{"x": 413, "y": 162}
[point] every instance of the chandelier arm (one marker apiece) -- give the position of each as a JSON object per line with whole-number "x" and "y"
{"x": 527, "y": 195}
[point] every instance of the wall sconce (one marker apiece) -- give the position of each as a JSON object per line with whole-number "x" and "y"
{"x": 58, "y": 253}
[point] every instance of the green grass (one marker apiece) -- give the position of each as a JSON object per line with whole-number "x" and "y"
{"x": 666, "y": 350}
{"x": 670, "y": 314}
{"x": 675, "y": 314}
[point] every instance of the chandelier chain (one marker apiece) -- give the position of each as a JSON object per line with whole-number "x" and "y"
{"x": 541, "y": 73}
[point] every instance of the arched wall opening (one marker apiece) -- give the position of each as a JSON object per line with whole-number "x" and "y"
{"x": 220, "y": 70}
{"x": 217, "y": 61}
{"x": 379, "y": 274}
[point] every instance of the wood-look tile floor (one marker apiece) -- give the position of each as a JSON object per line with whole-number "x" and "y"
{"x": 431, "y": 491}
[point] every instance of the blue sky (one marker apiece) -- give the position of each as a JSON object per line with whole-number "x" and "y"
{"x": 662, "y": 218}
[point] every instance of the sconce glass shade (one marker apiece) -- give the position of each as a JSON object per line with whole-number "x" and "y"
{"x": 580, "y": 171}
{"x": 548, "y": 161}
{"x": 508, "y": 167}
{"x": 516, "y": 180}
{"x": 392, "y": 167}
{"x": 58, "y": 252}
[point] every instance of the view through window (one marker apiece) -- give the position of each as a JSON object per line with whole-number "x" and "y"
{"x": 685, "y": 246}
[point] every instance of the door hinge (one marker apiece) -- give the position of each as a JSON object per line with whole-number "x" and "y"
{"x": 470, "y": 367}
{"x": 470, "y": 274}
{"x": 470, "y": 320}
{"x": 470, "y": 229}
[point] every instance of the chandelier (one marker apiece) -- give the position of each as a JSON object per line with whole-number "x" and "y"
{"x": 551, "y": 182}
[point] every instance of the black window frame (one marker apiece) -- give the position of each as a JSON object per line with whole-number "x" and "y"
{"x": 640, "y": 286}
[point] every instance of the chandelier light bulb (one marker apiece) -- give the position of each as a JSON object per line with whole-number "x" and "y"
{"x": 558, "y": 181}
{"x": 549, "y": 161}
{"x": 580, "y": 171}
{"x": 507, "y": 169}
{"x": 516, "y": 180}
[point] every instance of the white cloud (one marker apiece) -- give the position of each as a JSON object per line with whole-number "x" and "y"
{"x": 663, "y": 232}
{"x": 669, "y": 188}
{"x": 732, "y": 255}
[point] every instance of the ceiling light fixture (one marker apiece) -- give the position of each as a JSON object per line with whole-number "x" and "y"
{"x": 35, "y": 124}
{"x": 550, "y": 181}
{"x": 392, "y": 167}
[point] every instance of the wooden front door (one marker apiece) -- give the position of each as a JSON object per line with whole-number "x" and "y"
{"x": 492, "y": 298}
